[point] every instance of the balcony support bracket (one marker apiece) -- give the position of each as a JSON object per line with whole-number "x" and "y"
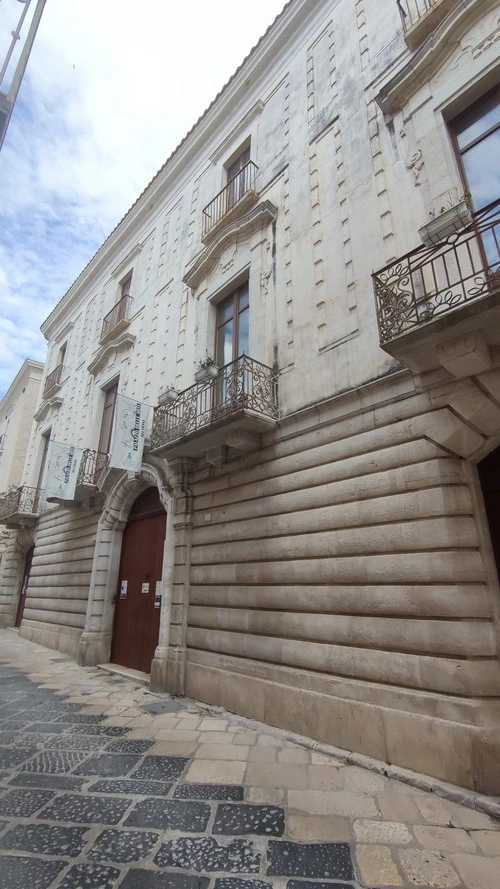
{"x": 465, "y": 356}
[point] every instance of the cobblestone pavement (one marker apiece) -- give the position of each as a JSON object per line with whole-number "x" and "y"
{"x": 104, "y": 784}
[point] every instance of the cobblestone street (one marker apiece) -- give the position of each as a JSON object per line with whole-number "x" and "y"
{"x": 104, "y": 784}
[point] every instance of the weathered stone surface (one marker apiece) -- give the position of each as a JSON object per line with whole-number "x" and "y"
{"x": 209, "y": 791}
{"x": 108, "y": 765}
{"x": 54, "y": 761}
{"x": 131, "y": 786}
{"x": 90, "y": 876}
{"x": 86, "y": 809}
{"x": 138, "y": 878}
{"x": 446, "y": 839}
{"x": 10, "y": 757}
{"x": 377, "y": 866}
{"x": 129, "y": 745}
{"x": 487, "y": 840}
{"x": 427, "y": 868}
{"x": 383, "y": 832}
{"x": 318, "y": 802}
{"x": 161, "y": 768}
{"x": 45, "y": 839}
{"x": 206, "y": 854}
{"x": 249, "y": 819}
{"x": 24, "y": 803}
{"x": 317, "y": 828}
{"x": 320, "y": 860}
{"x": 273, "y": 775}
{"x": 204, "y": 771}
{"x": 19, "y": 872}
{"x": 123, "y": 846}
{"x": 170, "y": 815}
{"x": 46, "y": 781}
{"x": 476, "y": 872}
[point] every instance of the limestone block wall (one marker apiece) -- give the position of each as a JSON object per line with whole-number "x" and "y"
{"x": 58, "y": 589}
{"x": 338, "y": 588}
{"x": 13, "y": 549}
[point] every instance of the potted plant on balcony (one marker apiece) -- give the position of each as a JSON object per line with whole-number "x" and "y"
{"x": 207, "y": 370}
{"x": 168, "y": 395}
{"x": 452, "y": 217}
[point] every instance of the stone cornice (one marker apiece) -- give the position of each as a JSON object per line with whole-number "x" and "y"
{"x": 23, "y": 376}
{"x": 296, "y": 19}
{"x": 416, "y": 70}
{"x": 261, "y": 215}
{"x": 121, "y": 344}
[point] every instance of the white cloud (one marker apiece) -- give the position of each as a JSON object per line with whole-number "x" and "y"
{"x": 112, "y": 87}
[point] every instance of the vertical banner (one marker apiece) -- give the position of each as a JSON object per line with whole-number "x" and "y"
{"x": 129, "y": 432}
{"x": 64, "y": 466}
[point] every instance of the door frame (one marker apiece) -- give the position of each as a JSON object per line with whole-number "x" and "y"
{"x": 95, "y": 641}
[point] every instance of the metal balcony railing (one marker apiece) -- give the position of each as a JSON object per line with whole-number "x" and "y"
{"x": 23, "y": 500}
{"x": 119, "y": 312}
{"x": 413, "y": 10}
{"x": 243, "y": 384}
{"x": 222, "y": 203}
{"x": 431, "y": 281}
{"x": 92, "y": 467}
{"x": 53, "y": 379}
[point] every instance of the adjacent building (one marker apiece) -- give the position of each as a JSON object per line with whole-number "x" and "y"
{"x": 16, "y": 418}
{"x": 307, "y": 297}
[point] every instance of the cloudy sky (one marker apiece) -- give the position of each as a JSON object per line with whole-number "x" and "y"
{"x": 111, "y": 88}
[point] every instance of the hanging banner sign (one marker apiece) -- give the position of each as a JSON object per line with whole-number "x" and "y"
{"x": 129, "y": 432}
{"x": 64, "y": 466}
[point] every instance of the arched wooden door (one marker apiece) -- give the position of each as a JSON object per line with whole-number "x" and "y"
{"x": 489, "y": 474}
{"x": 137, "y": 610}
{"x": 24, "y": 586}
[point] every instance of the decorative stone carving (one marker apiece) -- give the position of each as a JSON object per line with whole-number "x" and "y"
{"x": 479, "y": 41}
{"x": 257, "y": 219}
{"x": 414, "y": 160}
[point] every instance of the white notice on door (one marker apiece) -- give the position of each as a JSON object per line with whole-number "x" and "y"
{"x": 145, "y": 588}
{"x": 123, "y": 589}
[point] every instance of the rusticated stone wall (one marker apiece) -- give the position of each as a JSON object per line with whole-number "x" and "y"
{"x": 58, "y": 589}
{"x": 339, "y": 588}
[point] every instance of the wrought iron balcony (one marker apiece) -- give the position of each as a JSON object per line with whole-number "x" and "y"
{"x": 21, "y": 506}
{"x": 117, "y": 319}
{"x": 53, "y": 381}
{"x": 91, "y": 472}
{"x": 442, "y": 284}
{"x": 420, "y": 17}
{"x": 239, "y": 191}
{"x": 242, "y": 399}
{"x": 91, "y": 469}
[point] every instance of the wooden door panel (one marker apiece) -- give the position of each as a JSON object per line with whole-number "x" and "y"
{"x": 137, "y": 620}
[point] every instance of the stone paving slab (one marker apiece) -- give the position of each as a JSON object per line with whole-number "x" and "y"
{"x": 105, "y": 785}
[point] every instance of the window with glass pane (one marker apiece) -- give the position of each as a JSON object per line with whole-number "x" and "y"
{"x": 107, "y": 419}
{"x": 237, "y": 176}
{"x": 231, "y": 343}
{"x": 232, "y": 327}
{"x": 43, "y": 462}
{"x": 477, "y": 134}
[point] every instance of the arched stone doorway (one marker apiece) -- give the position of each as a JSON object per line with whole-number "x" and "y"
{"x": 122, "y": 491}
{"x": 138, "y": 598}
{"x": 489, "y": 476}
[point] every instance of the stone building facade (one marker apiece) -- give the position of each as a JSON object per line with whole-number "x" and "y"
{"x": 311, "y": 537}
{"x": 16, "y": 418}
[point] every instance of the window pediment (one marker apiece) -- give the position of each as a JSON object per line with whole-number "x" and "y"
{"x": 259, "y": 217}
{"x": 457, "y": 35}
{"x": 101, "y": 357}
